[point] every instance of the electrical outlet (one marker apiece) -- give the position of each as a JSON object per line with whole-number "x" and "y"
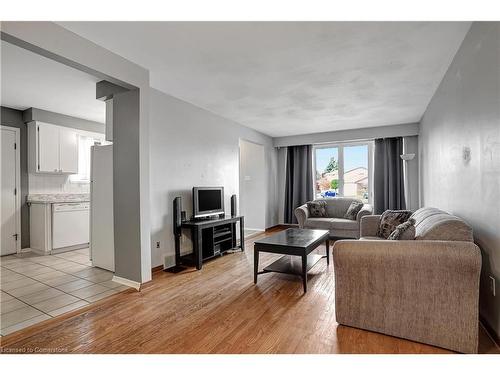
{"x": 157, "y": 244}
{"x": 493, "y": 286}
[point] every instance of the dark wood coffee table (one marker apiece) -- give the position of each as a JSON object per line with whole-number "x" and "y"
{"x": 293, "y": 243}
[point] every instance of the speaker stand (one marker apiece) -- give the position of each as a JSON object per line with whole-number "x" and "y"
{"x": 175, "y": 269}
{"x": 178, "y": 267}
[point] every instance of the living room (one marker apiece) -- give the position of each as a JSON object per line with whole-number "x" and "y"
{"x": 367, "y": 154}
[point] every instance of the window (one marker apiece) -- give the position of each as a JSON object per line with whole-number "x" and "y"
{"x": 343, "y": 170}
{"x": 84, "y": 144}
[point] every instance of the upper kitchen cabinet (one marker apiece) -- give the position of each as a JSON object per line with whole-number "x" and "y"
{"x": 68, "y": 150}
{"x": 52, "y": 148}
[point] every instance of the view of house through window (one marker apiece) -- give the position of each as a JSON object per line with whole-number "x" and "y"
{"x": 343, "y": 170}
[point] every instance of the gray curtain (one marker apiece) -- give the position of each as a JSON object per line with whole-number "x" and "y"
{"x": 298, "y": 180}
{"x": 388, "y": 178}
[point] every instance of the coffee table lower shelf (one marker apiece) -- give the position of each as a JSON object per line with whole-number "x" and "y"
{"x": 292, "y": 265}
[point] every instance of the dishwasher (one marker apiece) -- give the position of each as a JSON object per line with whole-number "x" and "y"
{"x": 70, "y": 225}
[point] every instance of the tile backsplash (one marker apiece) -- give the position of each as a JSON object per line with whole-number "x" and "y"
{"x": 43, "y": 184}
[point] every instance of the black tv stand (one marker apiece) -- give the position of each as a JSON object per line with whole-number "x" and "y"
{"x": 213, "y": 237}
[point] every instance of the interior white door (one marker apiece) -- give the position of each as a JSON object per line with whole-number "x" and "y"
{"x": 8, "y": 183}
{"x": 68, "y": 150}
{"x": 48, "y": 148}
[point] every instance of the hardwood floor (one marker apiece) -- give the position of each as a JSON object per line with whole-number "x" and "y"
{"x": 216, "y": 310}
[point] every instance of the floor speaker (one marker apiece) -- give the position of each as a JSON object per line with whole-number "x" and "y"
{"x": 233, "y": 205}
{"x": 177, "y": 216}
{"x": 177, "y": 229}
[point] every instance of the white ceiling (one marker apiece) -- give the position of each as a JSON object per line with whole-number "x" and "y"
{"x": 286, "y": 78}
{"x": 30, "y": 80}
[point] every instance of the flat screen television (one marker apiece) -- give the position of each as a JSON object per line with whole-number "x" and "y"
{"x": 208, "y": 201}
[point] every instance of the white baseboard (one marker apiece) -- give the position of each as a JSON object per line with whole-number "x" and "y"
{"x": 133, "y": 284}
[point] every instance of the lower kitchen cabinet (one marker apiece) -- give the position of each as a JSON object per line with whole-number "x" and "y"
{"x": 58, "y": 227}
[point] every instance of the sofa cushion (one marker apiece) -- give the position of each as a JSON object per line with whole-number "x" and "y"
{"x": 319, "y": 223}
{"x": 390, "y": 219}
{"x": 404, "y": 231}
{"x": 337, "y": 207}
{"x": 353, "y": 210}
{"x": 344, "y": 224}
{"x": 316, "y": 208}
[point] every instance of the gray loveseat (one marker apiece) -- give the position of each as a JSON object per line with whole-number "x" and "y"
{"x": 425, "y": 290}
{"x": 335, "y": 222}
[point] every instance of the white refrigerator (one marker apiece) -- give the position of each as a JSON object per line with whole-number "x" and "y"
{"x": 102, "y": 249}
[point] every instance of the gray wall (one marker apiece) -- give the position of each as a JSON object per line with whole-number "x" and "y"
{"x": 465, "y": 112}
{"x": 14, "y": 118}
{"x": 126, "y": 184}
{"x": 193, "y": 147}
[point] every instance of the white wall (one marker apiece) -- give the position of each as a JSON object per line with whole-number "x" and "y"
{"x": 252, "y": 184}
{"x": 190, "y": 147}
{"x": 465, "y": 112}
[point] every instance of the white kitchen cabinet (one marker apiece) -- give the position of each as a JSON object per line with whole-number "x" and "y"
{"x": 52, "y": 148}
{"x": 48, "y": 148}
{"x": 68, "y": 150}
{"x": 41, "y": 227}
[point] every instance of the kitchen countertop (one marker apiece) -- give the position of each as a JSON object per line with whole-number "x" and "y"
{"x": 58, "y": 198}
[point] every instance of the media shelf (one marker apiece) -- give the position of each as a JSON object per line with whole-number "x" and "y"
{"x": 212, "y": 238}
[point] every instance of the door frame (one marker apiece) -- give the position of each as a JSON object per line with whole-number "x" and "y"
{"x": 17, "y": 133}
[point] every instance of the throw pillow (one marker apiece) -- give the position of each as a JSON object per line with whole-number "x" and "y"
{"x": 405, "y": 231}
{"x": 353, "y": 210}
{"x": 390, "y": 219}
{"x": 316, "y": 208}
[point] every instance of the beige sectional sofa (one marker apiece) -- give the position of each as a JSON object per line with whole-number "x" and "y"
{"x": 335, "y": 222}
{"x": 426, "y": 290}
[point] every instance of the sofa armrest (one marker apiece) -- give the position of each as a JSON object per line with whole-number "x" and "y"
{"x": 368, "y": 226}
{"x": 365, "y": 210}
{"x": 302, "y": 213}
{"x": 425, "y": 291}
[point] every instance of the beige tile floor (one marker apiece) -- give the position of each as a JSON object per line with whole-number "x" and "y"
{"x": 36, "y": 287}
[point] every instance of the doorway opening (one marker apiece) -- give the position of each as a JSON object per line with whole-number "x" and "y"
{"x": 53, "y": 139}
{"x": 252, "y": 187}
{"x": 11, "y": 191}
